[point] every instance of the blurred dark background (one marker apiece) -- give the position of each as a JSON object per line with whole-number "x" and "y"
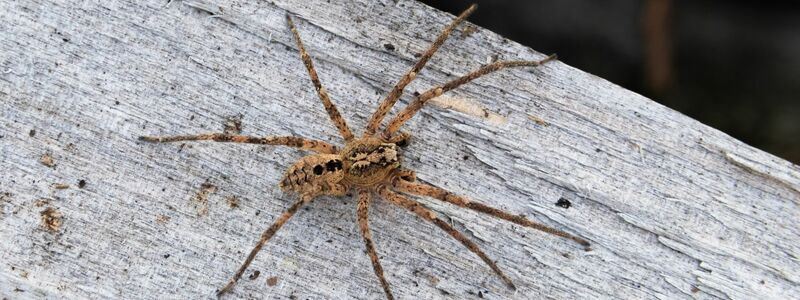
{"x": 733, "y": 65}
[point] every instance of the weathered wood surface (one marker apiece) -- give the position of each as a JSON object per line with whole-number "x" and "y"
{"x": 675, "y": 209}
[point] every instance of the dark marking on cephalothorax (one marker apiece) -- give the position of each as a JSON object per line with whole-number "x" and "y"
{"x": 368, "y": 159}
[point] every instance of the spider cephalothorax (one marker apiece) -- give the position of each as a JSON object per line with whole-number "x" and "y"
{"x": 369, "y": 161}
{"x": 371, "y": 164}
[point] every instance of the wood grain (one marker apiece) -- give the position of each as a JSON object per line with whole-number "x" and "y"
{"x": 674, "y": 209}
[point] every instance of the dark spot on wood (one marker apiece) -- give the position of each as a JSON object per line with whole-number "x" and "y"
{"x": 51, "y": 219}
{"x": 233, "y": 201}
{"x": 695, "y": 289}
{"x": 81, "y": 183}
{"x": 417, "y": 55}
{"x": 465, "y": 157}
{"x": 563, "y": 203}
{"x": 388, "y": 46}
{"x": 254, "y": 275}
{"x": 272, "y": 281}
{"x": 47, "y": 160}
{"x": 480, "y": 294}
{"x": 166, "y": 255}
{"x": 318, "y": 169}
{"x": 233, "y": 124}
{"x": 32, "y": 133}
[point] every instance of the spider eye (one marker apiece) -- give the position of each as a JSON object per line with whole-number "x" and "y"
{"x": 318, "y": 170}
{"x": 380, "y": 150}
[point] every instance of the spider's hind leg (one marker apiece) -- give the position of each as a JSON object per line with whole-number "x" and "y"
{"x": 421, "y": 189}
{"x": 420, "y": 210}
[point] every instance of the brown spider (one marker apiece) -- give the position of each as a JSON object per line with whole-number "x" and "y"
{"x": 371, "y": 164}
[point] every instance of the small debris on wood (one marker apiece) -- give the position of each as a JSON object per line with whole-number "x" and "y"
{"x": 233, "y": 124}
{"x": 464, "y": 105}
{"x": 388, "y": 46}
{"x": 255, "y": 275}
{"x": 200, "y": 200}
{"x": 41, "y": 202}
{"x": 47, "y": 160}
{"x": 538, "y": 120}
{"x": 233, "y": 201}
{"x": 162, "y": 219}
{"x": 81, "y": 183}
{"x": 51, "y": 219}
{"x": 272, "y": 281}
{"x": 60, "y": 186}
{"x": 32, "y": 133}
{"x": 563, "y": 203}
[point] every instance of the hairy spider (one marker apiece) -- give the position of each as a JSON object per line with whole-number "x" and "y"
{"x": 371, "y": 164}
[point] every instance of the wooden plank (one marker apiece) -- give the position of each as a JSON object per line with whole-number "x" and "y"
{"x": 674, "y": 209}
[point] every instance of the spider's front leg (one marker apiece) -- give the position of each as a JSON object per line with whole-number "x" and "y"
{"x": 291, "y": 141}
{"x": 419, "y": 101}
{"x": 397, "y": 90}
{"x": 421, "y": 189}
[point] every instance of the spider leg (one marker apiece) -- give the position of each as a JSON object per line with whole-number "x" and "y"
{"x": 291, "y": 141}
{"x": 333, "y": 113}
{"x": 422, "y": 189}
{"x": 305, "y": 199}
{"x": 409, "y": 111}
{"x": 397, "y": 90}
{"x": 363, "y": 224}
{"x": 400, "y": 139}
{"x": 428, "y": 214}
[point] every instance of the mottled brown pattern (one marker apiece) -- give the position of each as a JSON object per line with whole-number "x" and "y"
{"x": 337, "y": 119}
{"x": 370, "y": 164}
{"x": 362, "y": 212}
{"x": 291, "y": 141}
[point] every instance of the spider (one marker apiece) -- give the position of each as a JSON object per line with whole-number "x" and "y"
{"x": 371, "y": 164}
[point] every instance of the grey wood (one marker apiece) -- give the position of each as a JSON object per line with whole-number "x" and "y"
{"x": 674, "y": 209}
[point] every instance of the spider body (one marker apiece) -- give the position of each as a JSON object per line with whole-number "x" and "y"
{"x": 370, "y": 164}
{"x": 369, "y": 161}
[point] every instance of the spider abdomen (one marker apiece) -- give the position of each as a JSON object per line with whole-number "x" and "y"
{"x": 320, "y": 173}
